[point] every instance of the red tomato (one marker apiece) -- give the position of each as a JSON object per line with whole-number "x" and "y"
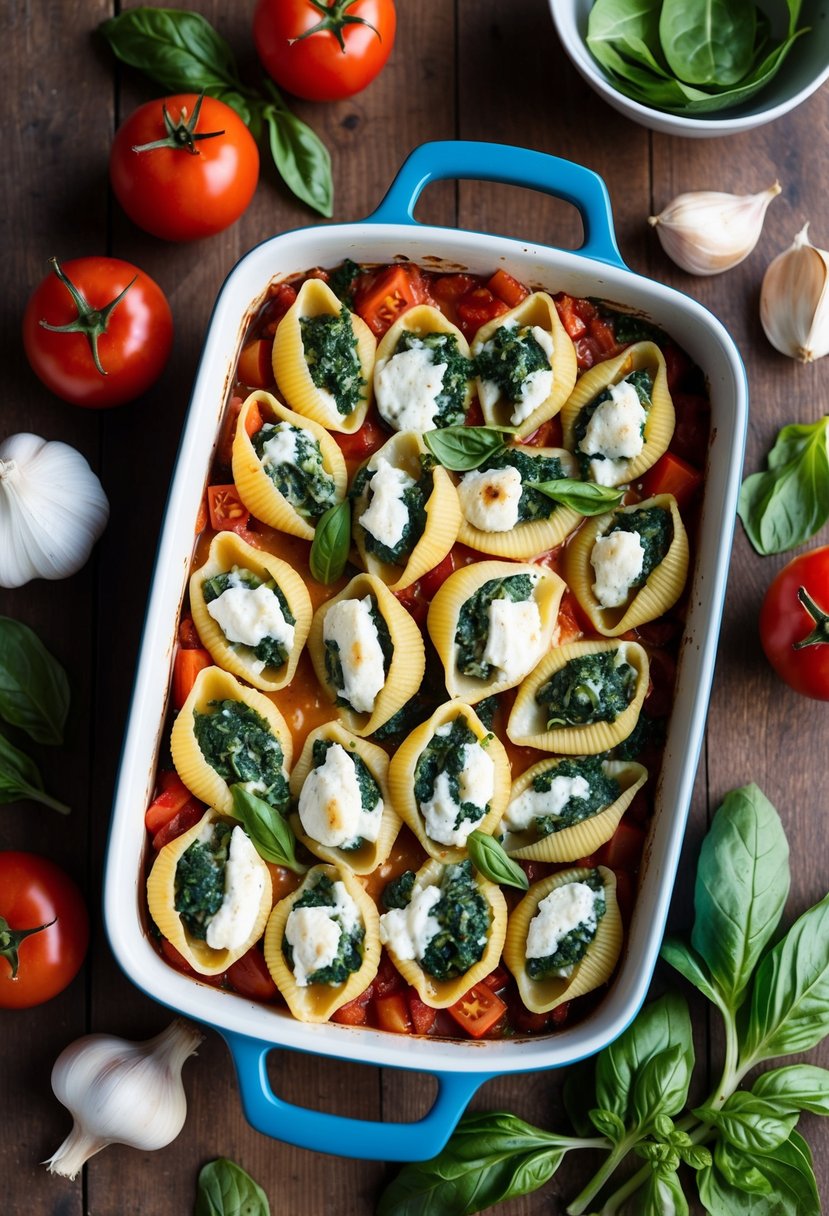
{"x": 476, "y": 308}
{"x": 189, "y": 661}
{"x": 478, "y": 1010}
{"x": 363, "y": 442}
{"x": 227, "y": 511}
{"x": 33, "y": 893}
{"x": 182, "y": 822}
{"x": 184, "y": 167}
{"x": 794, "y": 624}
{"x": 255, "y": 368}
{"x": 249, "y": 976}
{"x": 381, "y": 298}
{"x": 324, "y": 50}
{"x": 120, "y": 335}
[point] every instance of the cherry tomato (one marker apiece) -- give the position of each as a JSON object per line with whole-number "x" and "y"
{"x": 184, "y": 167}
{"x": 44, "y": 930}
{"x": 97, "y": 331}
{"x": 324, "y": 50}
{"x": 794, "y": 624}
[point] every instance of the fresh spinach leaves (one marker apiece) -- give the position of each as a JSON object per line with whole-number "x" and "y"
{"x": 788, "y": 503}
{"x": 225, "y": 1189}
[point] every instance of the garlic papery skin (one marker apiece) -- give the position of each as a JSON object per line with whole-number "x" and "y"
{"x": 707, "y": 231}
{"x": 794, "y": 300}
{"x": 52, "y": 509}
{"x": 121, "y": 1092}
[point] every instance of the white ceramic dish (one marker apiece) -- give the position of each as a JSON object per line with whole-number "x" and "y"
{"x": 805, "y": 70}
{"x": 597, "y": 270}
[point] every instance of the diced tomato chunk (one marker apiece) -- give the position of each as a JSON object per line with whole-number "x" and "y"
{"x": 187, "y": 817}
{"x": 415, "y": 603}
{"x": 282, "y": 296}
{"x": 478, "y": 1010}
{"x": 433, "y": 579}
{"x": 188, "y": 636}
{"x": 570, "y": 623}
{"x": 575, "y": 326}
{"x": 249, "y": 976}
{"x": 497, "y": 979}
{"x": 677, "y": 365}
{"x": 508, "y": 289}
{"x": 354, "y": 1013}
{"x": 423, "y": 1016}
{"x": 255, "y": 368}
{"x": 604, "y": 335}
{"x": 362, "y": 442}
{"x": 624, "y": 849}
{"x": 227, "y": 511}
{"x": 388, "y": 979}
{"x": 381, "y": 298}
{"x": 476, "y": 308}
{"x": 253, "y": 420}
{"x": 201, "y": 517}
{"x": 672, "y": 475}
{"x": 168, "y": 803}
{"x": 392, "y": 1013}
{"x": 548, "y": 435}
{"x": 177, "y": 960}
{"x": 187, "y": 665}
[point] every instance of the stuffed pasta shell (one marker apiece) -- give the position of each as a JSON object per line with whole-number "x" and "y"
{"x": 565, "y": 937}
{"x": 525, "y": 364}
{"x": 443, "y": 928}
{"x": 322, "y": 944}
{"x": 582, "y": 698}
{"x": 209, "y": 892}
{"x": 449, "y": 778}
{"x": 491, "y": 623}
{"x": 227, "y": 733}
{"x": 619, "y": 419}
{"x": 405, "y": 512}
{"x": 288, "y": 470}
{"x": 422, "y": 374}
{"x": 252, "y": 612}
{"x": 367, "y": 653}
{"x": 323, "y": 359}
{"x": 340, "y": 790}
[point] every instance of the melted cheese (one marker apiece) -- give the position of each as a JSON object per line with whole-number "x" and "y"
{"x": 407, "y": 388}
{"x": 490, "y": 500}
{"x": 532, "y": 804}
{"x": 476, "y": 784}
{"x": 617, "y": 560}
{"x": 408, "y": 931}
{"x": 564, "y": 909}
{"x": 330, "y": 805}
{"x": 387, "y": 515}
{"x": 249, "y": 615}
{"x": 514, "y": 641}
{"x": 233, "y": 923}
{"x": 615, "y": 432}
{"x": 349, "y": 624}
{"x": 314, "y": 935}
{"x": 281, "y": 447}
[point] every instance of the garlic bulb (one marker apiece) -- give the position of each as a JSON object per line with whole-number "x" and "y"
{"x": 794, "y": 300}
{"x": 52, "y": 509}
{"x": 120, "y": 1092}
{"x": 706, "y": 231}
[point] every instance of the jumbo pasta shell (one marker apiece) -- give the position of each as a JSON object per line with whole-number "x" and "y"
{"x": 402, "y": 778}
{"x": 290, "y": 366}
{"x": 597, "y": 966}
{"x": 161, "y": 902}
{"x": 256, "y": 489}
{"x": 440, "y": 994}
{"x": 443, "y": 515}
{"x": 527, "y": 723}
{"x": 582, "y": 838}
{"x": 317, "y": 1002}
{"x": 445, "y": 610}
{"x": 537, "y": 309}
{"x": 226, "y": 551}
{"x": 420, "y": 320}
{"x": 372, "y": 853}
{"x": 660, "y": 421}
{"x": 408, "y": 661}
{"x": 660, "y": 592}
{"x": 213, "y": 684}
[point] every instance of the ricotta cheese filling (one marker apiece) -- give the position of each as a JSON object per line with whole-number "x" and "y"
{"x": 617, "y": 560}
{"x": 281, "y": 447}
{"x": 234, "y": 921}
{"x": 408, "y": 931}
{"x": 476, "y": 785}
{"x": 349, "y": 625}
{"x": 489, "y": 500}
{"x": 387, "y": 515}
{"x": 407, "y": 387}
{"x": 249, "y": 615}
{"x": 514, "y": 641}
{"x": 566, "y": 908}
{"x": 533, "y": 804}
{"x": 314, "y": 933}
{"x": 615, "y": 432}
{"x": 535, "y": 388}
{"x": 330, "y": 803}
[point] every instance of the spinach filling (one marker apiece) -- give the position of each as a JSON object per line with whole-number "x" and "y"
{"x": 641, "y": 381}
{"x": 472, "y": 632}
{"x": 331, "y": 354}
{"x": 532, "y": 503}
{"x": 333, "y": 663}
{"x": 655, "y": 529}
{"x": 200, "y": 880}
{"x": 349, "y": 956}
{"x": 450, "y": 402}
{"x": 590, "y": 688}
{"x": 462, "y": 913}
{"x": 238, "y": 744}
{"x": 571, "y": 948}
{"x": 342, "y": 281}
{"x": 509, "y": 358}
{"x": 602, "y": 792}
{"x": 369, "y": 789}
{"x": 269, "y": 651}
{"x": 414, "y": 499}
{"x": 306, "y": 483}
{"x": 444, "y": 753}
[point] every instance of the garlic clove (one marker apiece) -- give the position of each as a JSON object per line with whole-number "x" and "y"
{"x": 794, "y": 300}
{"x": 707, "y": 231}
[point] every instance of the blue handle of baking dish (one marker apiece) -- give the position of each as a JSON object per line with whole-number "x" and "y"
{"x": 326, "y": 1133}
{"x": 450, "y": 159}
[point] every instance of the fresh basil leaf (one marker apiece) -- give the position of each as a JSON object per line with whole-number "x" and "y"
{"x": 300, "y": 156}
{"x": 741, "y": 888}
{"x": 751, "y": 1124}
{"x": 662, "y": 1024}
{"x": 683, "y": 959}
{"x": 661, "y": 1085}
{"x": 661, "y": 1193}
{"x": 708, "y": 42}
{"x": 489, "y": 858}
{"x": 20, "y": 778}
{"x": 271, "y": 835}
{"x": 608, "y": 1124}
{"x": 462, "y": 448}
{"x": 180, "y": 51}
{"x": 786, "y": 505}
{"x": 331, "y": 543}
{"x": 738, "y": 1170}
{"x": 34, "y": 690}
{"x": 695, "y": 1156}
{"x": 789, "y": 1173}
{"x": 586, "y": 497}
{"x": 225, "y": 1189}
{"x": 795, "y": 1087}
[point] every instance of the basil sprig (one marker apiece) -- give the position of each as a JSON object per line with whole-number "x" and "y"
{"x": 489, "y": 858}
{"x": 774, "y": 1001}
{"x": 331, "y": 543}
{"x": 225, "y": 1189}
{"x": 788, "y": 503}
{"x": 184, "y": 54}
{"x": 462, "y": 448}
{"x": 271, "y": 834}
{"x": 34, "y": 690}
{"x": 583, "y": 496}
{"x": 20, "y": 778}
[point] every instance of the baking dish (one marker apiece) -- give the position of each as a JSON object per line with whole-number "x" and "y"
{"x": 391, "y": 233}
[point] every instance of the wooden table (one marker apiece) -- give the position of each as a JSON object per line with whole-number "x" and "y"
{"x": 476, "y": 69}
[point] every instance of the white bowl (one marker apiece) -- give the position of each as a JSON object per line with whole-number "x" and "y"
{"x": 805, "y": 69}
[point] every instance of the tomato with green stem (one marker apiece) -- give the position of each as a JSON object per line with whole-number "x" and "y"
{"x": 794, "y": 624}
